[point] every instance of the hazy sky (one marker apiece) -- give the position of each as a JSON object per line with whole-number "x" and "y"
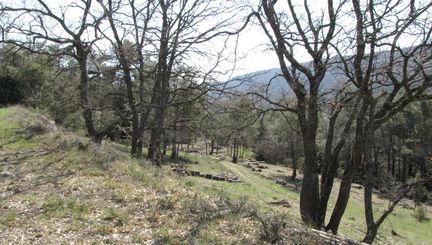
{"x": 252, "y": 53}
{"x": 254, "y": 43}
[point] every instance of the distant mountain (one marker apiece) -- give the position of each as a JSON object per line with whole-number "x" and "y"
{"x": 272, "y": 82}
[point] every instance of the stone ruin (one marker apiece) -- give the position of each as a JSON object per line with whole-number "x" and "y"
{"x": 256, "y": 166}
{"x": 182, "y": 171}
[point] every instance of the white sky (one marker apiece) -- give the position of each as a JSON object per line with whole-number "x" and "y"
{"x": 253, "y": 43}
{"x": 253, "y": 53}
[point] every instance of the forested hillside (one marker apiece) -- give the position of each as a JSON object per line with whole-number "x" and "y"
{"x": 144, "y": 95}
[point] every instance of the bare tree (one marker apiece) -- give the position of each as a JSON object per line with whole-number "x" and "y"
{"x": 381, "y": 78}
{"x": 302, "y": 30}
{"x": 42, "y": 22}
{"x": 183, "y": 34}
{"x": 135, "y": 23}
{"x": 389, "y": 77}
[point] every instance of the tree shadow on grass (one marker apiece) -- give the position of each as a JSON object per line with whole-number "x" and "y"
{"x": 31, "y": 131}
{"x": 26, "y": 133}
{"x": 20, "y": 183}
{"x": 179, "y": 160}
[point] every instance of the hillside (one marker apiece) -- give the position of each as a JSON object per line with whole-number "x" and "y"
{"x": 272, "y": 82}
{"x": 57, "y": 187}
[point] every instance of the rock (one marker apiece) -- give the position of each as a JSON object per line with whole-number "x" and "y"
{"x": 195, "y": 173}
{"x": 6, "y": 174}
{"x": 284, "y": 203}
{"x": 280, "y": 182}
{"x": 219, "y": 178}
{"x": 227, "y": 177}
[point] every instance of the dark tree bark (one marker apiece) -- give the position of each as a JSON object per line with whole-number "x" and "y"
{"x": 294, "y": 158}
{"x": 81, "y": 55}
{"x": 163, "y": 74}
{"x": 235, "y": 149}
{"x": 316, "y": 43}
{"x": 212, "y": 147}
{"x": 174, "y": 149}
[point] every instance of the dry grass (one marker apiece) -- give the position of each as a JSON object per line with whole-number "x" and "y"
{"x": 58, "y": 188}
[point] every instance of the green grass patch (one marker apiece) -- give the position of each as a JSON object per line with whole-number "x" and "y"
{"x": 115, "y": 215}
{"x": 7, "y": 126}
{"x": 20, "y": 128}
{"x": 59, "y": 207}
{"x": 8, "y": 219}
{"x": 253, "y": 187}
{"x": 261, "y": 192}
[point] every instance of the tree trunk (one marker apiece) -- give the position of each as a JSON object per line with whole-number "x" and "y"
{"x": 127, "y": 79}
{"x": 351, "y": 168}
{"x": 341, "y": 203}
{"x": 404, "y": 167}
{"x": 388, "y": 162}
{"x": 174, "y": 151}
{"x": 345, "y": 186}
{"x": 399, "y": 175}
{"x": 163, "y": 75}
{"x": 370, "y": 234}
{"x": 212, "y": 147}
{"x": 235, "y": 150}
{"x": 368, "y": 187}
{"x": 326, "y": 188}
{"x": 309, "y": 194}
{"x": 135, "y": 145}
{"x": 330, "y": 163}
{"x": 85, "y": 101}
{"x": 155, "y": 138}
{"x": 294, "y": 160}
{"x": 393, "y": 171}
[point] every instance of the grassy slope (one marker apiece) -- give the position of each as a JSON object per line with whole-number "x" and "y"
{"x": 57, "y": 187}
{"x": 261, "y": 191}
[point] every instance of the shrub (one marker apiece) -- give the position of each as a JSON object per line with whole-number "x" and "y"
{"x": 420, "y": 213}
{"x": 166, "y": 203}
{"x": 10, "y": 92}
